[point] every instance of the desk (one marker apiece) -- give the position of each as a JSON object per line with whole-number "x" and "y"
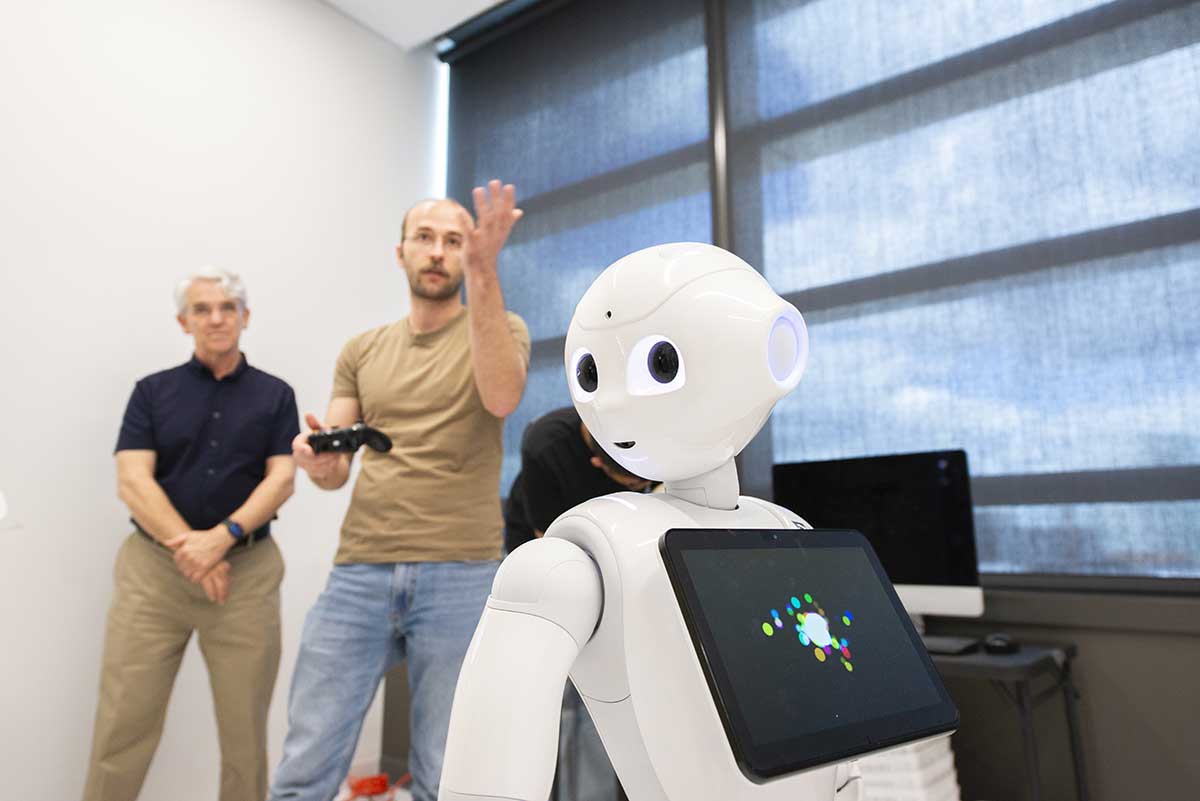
{"x": 1013, "y": 675}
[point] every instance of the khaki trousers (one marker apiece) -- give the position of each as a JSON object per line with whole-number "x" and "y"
{"x": 154, "y": 611}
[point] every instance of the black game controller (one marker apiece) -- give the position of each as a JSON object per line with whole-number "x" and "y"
{"x": 349, "y": 440}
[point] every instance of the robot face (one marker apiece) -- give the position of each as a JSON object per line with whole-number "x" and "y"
{"x": 677, "y": 354}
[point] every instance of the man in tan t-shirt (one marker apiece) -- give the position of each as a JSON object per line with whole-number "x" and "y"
{"x": 422, "y": 537}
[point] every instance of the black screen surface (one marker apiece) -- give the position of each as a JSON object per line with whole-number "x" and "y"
{"x": 840, "y": 672}
{"x": 915, "y": 508}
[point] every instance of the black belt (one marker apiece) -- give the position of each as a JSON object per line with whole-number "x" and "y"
{"x": 244, "y": 542}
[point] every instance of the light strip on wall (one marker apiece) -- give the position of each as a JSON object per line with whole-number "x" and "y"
{"x": 441, "y": 132}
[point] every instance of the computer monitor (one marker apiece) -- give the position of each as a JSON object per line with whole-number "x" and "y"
{"x": 914, "y": 508}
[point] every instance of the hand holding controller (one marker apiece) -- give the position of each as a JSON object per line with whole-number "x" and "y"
{"x": 349, "y": 439}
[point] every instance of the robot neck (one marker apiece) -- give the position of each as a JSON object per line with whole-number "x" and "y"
{"x": 716, "y": 489}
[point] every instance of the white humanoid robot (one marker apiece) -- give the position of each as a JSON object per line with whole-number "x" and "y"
{"x": 675, "y": 357}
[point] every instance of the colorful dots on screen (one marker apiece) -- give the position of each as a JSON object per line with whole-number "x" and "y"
{"x": 813, "y": 629}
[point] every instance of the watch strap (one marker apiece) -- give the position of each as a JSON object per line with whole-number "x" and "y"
{"x": 235, "y": 530}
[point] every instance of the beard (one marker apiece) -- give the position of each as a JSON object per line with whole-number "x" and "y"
{"x": 448, "y": 290}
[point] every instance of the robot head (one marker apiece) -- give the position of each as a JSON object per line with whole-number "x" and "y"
{"x": 677, "y": 354}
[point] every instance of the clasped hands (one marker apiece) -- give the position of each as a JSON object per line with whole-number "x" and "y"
{"x": 199, "y": 555}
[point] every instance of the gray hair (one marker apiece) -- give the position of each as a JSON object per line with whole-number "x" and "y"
{"x": 231, "y": 285}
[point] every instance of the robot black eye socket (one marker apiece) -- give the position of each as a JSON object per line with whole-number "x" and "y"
{"x": 586, "y": 373}
{"x": 663, "y": 362}
{"x": 608, "y": 314}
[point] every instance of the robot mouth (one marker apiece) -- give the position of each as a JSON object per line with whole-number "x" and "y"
{"x": 625, "y": 445}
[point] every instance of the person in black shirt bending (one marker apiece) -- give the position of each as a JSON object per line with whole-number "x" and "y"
{"x": 561, "y": 467}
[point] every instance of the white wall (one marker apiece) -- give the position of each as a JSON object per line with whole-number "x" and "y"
{"x": 140, "y": 139}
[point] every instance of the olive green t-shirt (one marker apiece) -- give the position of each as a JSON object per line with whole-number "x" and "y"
{"x": 435, "y": 496}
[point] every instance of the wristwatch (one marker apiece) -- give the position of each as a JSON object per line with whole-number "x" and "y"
{"x": 236, "y": 531}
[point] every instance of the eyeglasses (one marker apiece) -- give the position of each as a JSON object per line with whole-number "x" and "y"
{"x": 204, "y": 310}
{"x": 426, "y": 239}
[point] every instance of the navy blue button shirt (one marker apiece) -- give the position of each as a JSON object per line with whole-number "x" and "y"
{"x": 212, "y": 438}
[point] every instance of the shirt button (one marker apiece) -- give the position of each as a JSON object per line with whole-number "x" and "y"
{"x": 213, "y": 443}
{"x": 216, "y": 415}
{"x": 212, "y": 472}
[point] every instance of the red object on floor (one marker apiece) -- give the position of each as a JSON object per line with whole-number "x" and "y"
{"x": 368, "y": 785}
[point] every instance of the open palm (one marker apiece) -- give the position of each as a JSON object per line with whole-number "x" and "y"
{"x": 495, "y": 215}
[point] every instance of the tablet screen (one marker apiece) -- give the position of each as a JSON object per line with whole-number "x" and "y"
{"x": 808, "y": 652}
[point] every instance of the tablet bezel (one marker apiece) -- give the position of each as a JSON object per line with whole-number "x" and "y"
{"x": 761, "y": 763}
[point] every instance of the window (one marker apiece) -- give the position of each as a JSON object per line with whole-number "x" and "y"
{"x": 598, "y": 113}
{"x": 988, "y": 213}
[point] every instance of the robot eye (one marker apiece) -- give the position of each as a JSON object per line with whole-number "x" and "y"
{"x": 586, "y": 373}
{"x": 655, "y": 367}
{"x": 584, "y": 377}
{"x": 663, "y": 362}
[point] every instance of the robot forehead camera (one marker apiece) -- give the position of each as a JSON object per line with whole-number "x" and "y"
{"x": 676, "y": 356}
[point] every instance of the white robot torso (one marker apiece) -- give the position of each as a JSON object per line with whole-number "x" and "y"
{"x": 639, "y": 674}
{"x": 675, "y": 357}
{"x": 593, "y": 599}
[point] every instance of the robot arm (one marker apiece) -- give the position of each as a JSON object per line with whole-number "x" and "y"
{"x": 503, "y": 739}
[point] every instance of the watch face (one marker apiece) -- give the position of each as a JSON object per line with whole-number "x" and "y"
{"x": 235, "y": 529}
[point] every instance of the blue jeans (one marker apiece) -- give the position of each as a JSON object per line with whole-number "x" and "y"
{"x": 584, "y": 772}
{"x": 369, "y": 618}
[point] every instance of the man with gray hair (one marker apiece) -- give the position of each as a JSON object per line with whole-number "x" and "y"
{"x": 204, "y": 461}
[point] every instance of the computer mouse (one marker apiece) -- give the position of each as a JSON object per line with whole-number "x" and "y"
{"x": 1000, "y": 643}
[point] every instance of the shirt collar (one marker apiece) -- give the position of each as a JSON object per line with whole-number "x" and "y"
{"x": 429, "y": 337}
{"x": 200, "y": 367}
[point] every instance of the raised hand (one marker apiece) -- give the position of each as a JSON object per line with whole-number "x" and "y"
{"x": 495, "y": 215}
